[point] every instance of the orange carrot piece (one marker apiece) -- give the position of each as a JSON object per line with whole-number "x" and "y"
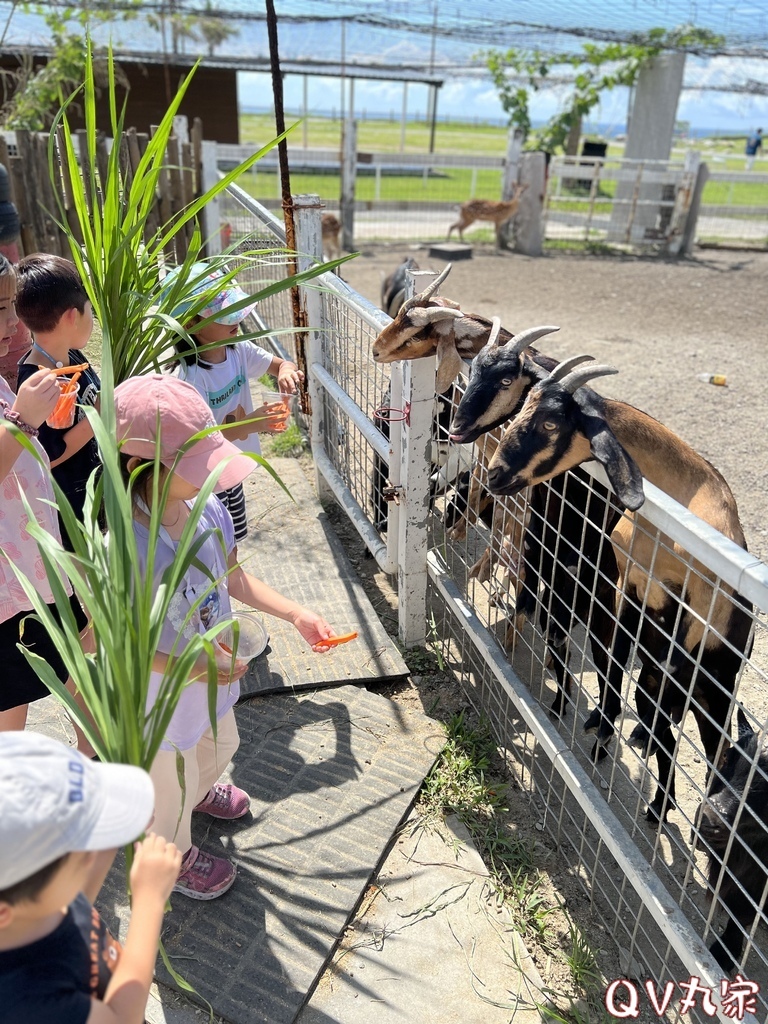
{"x": 334, "y": 641}
{"x": 60, "y": 371}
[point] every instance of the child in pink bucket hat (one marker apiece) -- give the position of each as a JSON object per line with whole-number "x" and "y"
{"x": 146, "y": 406}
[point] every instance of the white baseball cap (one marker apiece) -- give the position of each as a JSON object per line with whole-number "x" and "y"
{"x": 55, "y": 801}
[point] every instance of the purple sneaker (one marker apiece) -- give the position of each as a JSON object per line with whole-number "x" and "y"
{"x": 224, "y": 801}
{"x": 204, "y": 877}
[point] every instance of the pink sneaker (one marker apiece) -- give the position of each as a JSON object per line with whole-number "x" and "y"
{"x": 224, "y": 801}
{"x": 204, "y": 877}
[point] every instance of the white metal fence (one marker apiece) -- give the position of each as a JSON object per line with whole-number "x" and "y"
{"x": 414, "y": 196}
{"x": 647, "y": 885}
{"x": 631, "y": 202}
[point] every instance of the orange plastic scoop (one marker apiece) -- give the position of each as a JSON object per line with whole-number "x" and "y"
{"x": 334, "y": 641}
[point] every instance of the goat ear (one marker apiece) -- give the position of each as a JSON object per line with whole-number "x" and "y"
{"x": 622, "y": 470}
{"x": 422, "y": 316}
{"x": 449, "y": 364}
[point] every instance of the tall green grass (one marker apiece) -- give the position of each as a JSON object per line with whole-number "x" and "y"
{"x": 121, "y": 263}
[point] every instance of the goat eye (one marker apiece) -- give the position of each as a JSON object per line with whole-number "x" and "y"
{"x": 549, "y": 425}
{"x": 506, "y": 382}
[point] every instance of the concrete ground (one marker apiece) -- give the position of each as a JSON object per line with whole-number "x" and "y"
{"x": 340, "y": 914}
{"x": 429, "y": 944}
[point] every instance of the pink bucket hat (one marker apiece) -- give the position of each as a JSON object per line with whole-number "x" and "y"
{"x": 144, "y": 403}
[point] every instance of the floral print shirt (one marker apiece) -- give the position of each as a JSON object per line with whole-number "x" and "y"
{"x": 33, "y": 479}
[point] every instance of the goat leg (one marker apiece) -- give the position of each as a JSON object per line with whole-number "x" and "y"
{"x": 601, "y": 719}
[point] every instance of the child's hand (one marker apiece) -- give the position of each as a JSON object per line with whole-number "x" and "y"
{"x": 226, "y": 671}
{"x": 156, "y": 866}
{"x": 313, "y": 628}
{"x": 289, "y": 377}
{"x": 36, "y": 397}
{"x": 274, "y": 418}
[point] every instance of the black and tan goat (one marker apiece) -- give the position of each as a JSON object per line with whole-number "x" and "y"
{"x": 692, "y": 634}
{"x": 426, "y": 326}
{"x": 734, "y": 826}
{"x": 564, "y": 547}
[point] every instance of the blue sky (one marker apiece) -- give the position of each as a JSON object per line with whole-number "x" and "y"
{"x": 478, "y": 98}
{"x": 473, "y": 97}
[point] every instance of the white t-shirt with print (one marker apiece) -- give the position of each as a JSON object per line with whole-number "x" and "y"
{"x": 191, "y": 719}
{"x": 226, "y": 386}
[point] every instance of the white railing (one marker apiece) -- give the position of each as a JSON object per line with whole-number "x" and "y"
{"x": 647, "y": 887}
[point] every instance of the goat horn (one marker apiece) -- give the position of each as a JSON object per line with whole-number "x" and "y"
{"x": 493, "y": 337}
{"x": 566, "y": 366}
{"x": 423, "y": 297}
{"x": 575, "y": 379}
{"x": 521, "y": 341}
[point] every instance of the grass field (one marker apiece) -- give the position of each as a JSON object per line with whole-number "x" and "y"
{"x": 456, "y": 185}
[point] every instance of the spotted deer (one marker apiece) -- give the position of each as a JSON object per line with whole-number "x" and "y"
{"x": 485, "y": 209}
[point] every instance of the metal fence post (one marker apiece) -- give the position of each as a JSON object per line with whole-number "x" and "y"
{"x": 309, "y": 251}
{"x": 528, "y": 221}
{"x": 509, "y": 180}
{"x": 418, "y": 398}
{"x": 700, "y": 173}
{"x": 348, "y": 172}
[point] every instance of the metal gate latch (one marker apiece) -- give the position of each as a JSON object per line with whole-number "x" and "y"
{"x": 392, "y": 492}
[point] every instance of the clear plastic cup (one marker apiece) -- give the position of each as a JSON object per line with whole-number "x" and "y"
{"x": 278, "y": 398}
{"x": 247, "y": 641}
{"x": 63, "y": 413}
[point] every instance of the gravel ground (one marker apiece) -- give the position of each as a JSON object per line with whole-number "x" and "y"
{"x": 660, "y": 322}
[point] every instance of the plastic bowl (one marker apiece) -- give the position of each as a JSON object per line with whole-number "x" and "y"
{"x": 252, "y": 639}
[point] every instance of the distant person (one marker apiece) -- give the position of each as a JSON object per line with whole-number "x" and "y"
{"x": 753, "y": 147}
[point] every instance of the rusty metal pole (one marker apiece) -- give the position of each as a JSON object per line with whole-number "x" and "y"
{"x": 299, "y": 318}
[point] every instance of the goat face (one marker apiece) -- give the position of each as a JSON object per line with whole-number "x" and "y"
{"x": 502, "y": 373}
{"x": 719, "y": 811}
{"x": 495, "y": 389}
{"x": 416, "y": 331}
{"x": 556, "y": 430}
{"x": 538, "y": 444}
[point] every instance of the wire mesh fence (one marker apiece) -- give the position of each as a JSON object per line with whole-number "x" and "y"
{"x": 736, "y": 207}
{"x": 540, "y": 574}
{"x": 415, "y": 197}
{"x": 615, "y": 667}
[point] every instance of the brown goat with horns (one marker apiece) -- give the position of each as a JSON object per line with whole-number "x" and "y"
{"x": 562, "y": 424}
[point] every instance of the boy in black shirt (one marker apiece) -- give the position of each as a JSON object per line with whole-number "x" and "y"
{"x": 62, "y": 818}
{"x": 53, "y": 303}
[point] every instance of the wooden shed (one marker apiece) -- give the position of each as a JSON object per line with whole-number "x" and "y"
{"x": 153, "y": 81}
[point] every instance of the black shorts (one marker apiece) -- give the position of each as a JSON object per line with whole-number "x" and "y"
{"x": 20, "y": 684}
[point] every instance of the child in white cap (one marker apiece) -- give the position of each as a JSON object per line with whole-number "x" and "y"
{"x": 223, "y": 371}
{"x": 144, "y": 406}
{"x": 62, "y": 820}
